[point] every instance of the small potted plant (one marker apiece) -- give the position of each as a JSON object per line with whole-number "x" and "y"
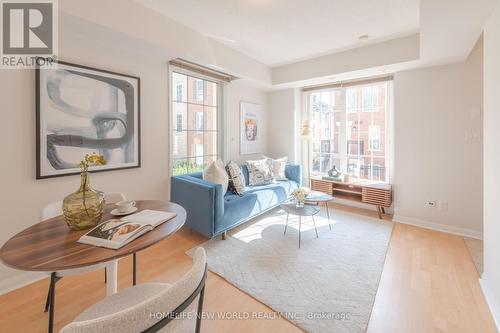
{"x": 83, "y": 208}
{"x": 300, "y": 194}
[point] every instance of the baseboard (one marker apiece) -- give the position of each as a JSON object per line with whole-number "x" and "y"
{"x": 19, "y": 280}
{"x": 438, "y": 227}
{"x": 492, "y": 303}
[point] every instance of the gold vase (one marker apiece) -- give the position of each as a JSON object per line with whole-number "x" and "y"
{"x": 83, "y": 208}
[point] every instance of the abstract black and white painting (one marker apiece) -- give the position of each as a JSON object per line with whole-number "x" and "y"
{"x": 82, "y": 110}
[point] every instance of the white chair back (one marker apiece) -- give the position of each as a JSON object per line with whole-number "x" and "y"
{"x": 114, "y": 197}
{"x": 52, "y": 210}
{"x": 121, "y": 313}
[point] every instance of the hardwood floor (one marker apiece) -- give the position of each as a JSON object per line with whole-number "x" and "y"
{"x": 429, "y": 284}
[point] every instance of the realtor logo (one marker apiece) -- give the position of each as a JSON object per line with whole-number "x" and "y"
{"x": 28, "y": 32}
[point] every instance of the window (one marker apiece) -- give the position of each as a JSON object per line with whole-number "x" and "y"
{"x": 351, "y": 100}
{"x": 198, "y": 90}
{"x": 348, "y": 127}
{"x": 374, "y": 137}
{"x": 370, "y": 99}
{"x": 179, "y": 92}
{"x": 179, "y": 123}
{"x": 196, "y": 114}
{"x": 199, "y": 121}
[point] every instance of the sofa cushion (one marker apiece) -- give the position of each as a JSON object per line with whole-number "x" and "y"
{"x": 260, "y": 172}
{"x": 277, "y": 166}
{"x": 216, "y": 173}
{"x": 255, "y": 200}
{"x": 236, "y": 178}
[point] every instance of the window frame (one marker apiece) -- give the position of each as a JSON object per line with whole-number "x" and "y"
{"x": 220, "y": 114}
{"x": 310, "y": 154}
{"x": 196, "y": 89}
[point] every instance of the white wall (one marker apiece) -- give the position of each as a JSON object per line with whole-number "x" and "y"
{"x": 435, "y": 108}
{"x": 238, "y": 91}
{"x": 490, "y": 281}
{"x": 22, "y": 197}
{"x": 282, "y": 124}
{"x": 394, "y": 51}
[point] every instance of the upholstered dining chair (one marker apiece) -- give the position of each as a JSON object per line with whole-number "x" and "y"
{"x": 150, "y": 307}
{"x": 54, "y": 209}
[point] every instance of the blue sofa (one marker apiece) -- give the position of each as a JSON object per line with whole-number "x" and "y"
{"x": 210, "y": 213}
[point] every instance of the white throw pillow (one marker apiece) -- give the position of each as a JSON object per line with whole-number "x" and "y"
{"x": 278, "y": 167}
{"x": 259, "y": 172}
{"x": 216, "y": 173}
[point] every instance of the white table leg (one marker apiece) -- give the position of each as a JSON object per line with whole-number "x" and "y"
{"x": 112, "y": 277}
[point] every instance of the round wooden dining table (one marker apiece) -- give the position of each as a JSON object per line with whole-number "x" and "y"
{"x": 50, "y": 246}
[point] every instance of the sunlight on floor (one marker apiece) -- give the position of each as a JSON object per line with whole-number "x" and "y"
{"x": 278, "y": 217}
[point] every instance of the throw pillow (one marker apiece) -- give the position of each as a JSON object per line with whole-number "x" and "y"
{"x": 216, "y": 173}
{"x": 259, "y": 172}
{"x": 236, "y": 178}
{"x": 278, "y": 167}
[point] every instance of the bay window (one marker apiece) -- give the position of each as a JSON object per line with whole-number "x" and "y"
{"x": 349, "y": 130}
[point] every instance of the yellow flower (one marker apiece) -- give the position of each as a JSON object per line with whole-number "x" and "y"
{"x": 96, "y": 159}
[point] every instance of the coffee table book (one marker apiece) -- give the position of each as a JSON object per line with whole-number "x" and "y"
{"x": 115, "y": 233}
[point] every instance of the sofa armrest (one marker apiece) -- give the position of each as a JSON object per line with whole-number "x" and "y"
{"x": 294, "y": 172}
{"x": 202, "y": 200}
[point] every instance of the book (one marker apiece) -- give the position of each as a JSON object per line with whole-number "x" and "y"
{"x": 115, "y": 233}
{"x": 336, "y": 179}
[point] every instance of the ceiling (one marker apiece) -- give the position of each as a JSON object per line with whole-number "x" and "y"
{"x": 277, "y": 32}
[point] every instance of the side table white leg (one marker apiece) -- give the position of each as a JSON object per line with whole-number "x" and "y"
{"x": 112, "y": 277}
{"x": 300, "y": 224}
{"x": 328, "y": 215}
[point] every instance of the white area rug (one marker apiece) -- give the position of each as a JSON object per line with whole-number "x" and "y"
{"x": 328, "y": 285}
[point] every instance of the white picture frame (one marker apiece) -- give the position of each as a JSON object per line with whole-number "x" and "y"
{"x": 250, "y": 128}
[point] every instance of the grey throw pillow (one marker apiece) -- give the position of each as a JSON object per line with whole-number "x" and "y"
{"x": 236, "y": 178}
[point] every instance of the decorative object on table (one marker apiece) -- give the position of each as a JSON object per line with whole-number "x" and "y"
{"x": 300, "y": 195}
{"x": 334, "y": 172}
{"x": 334, "y": 179}
{"x": 346, "y": 177}
{"x": 236, "y": 178}
{"x": 278, "y": 167}
{"x": 116, "y": 212}
{"x": 83, "y": 208}
{"x": 250, "y": 128}
{"x": 124, "y": 207}
{"x": 259, "y": 172}
{"x": 80, "y": 110}
{"x": 115, "y": 233}
{"x": 216, "y": 173}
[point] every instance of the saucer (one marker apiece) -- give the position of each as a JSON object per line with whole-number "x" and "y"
{"x": 115, "y": 212}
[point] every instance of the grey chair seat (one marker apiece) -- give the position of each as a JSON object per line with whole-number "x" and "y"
{"x": 125, "y": 299}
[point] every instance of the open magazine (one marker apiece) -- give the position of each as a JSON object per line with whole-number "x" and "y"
{"x": 115, "y": 233}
